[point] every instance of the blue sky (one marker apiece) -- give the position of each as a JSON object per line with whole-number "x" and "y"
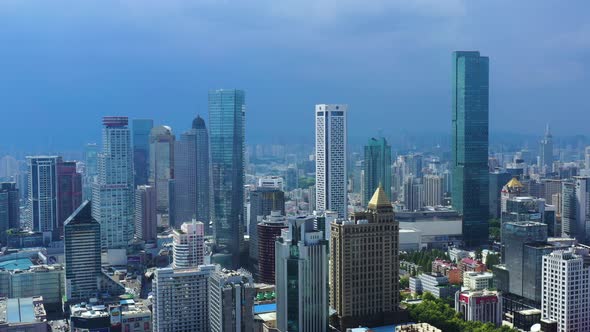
{"x": 65, "y": 64}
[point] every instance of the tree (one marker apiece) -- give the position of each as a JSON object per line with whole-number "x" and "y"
{"x": 492, "y": 259}
{"x": 404, "y": 282}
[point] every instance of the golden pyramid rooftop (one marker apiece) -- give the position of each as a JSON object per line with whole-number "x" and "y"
{"x": 379, "y": 199}
{"x": 514, "y": 183}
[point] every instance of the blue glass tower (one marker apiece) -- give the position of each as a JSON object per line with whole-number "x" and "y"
{"x": 377, "y": 168}
{"x": 470, "y": 190}
{"x": 226, "y": 128}
{"x": 141, "y": 149}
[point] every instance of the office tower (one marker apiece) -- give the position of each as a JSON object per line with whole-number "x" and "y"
{"x": 546, "y": 152}
{"x": 330, "y": 156}
{"x": 377, "y": 168}
{"x": 497, "y": 181}
{"x": 587, "y": 158}
{"x": 470, "y": 144}
{"x": 513, "y": 188}
{"x": 292, "y": 177}
{"x": 69, "y": 192}
{"x": 524, "y": 208}
{"x": 364, "y": 278}
{"x": 267, "y": 230}
{"x": 161, "y": 164}
{"x": 566, "y": 289}
{"x": 515, "y": 235}
{"x": 302, "y": 277}
{"x": 90, "y": 170}
{"x": 227, "y": 111}
{"x": 263, "y": 201}
{"x": 576, "y": 209}
{"x": 188, "y": 245}
{"x": 42, "y": 201}
{"x": 480, "y": 306}
{"x": 413, "y": 194}
{"x": 415, "y": 164}
{"x": 141, "y": 129}
{"x": 448, "y": 182}
{"x": 9, "y": 209}
{"x": 82, "y": 254}
{"x": 113, "y": 194}
{"x": 192, "y": 173}
{"x": 433, "y": 190}
{"x": 180, "y": 299}
{"x": 146, "y": 223}
{"x": 231, "y": 301}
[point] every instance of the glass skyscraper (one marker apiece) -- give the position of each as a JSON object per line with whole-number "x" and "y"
{"x": 141, "y": 149}
{"x": 226, "y": 126}
{"x": 377, "y": 168}
{"x": 470, "y": 192}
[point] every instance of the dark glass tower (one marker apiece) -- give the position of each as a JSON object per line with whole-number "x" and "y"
{"x": 9, "y": 209}
{"x": 377, "y": 168}
{"x": 141, "y": 149}
{"x": 226, "y": 125}
{"x": 470, "y": 190}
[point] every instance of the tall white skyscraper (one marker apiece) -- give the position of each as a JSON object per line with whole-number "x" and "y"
{"x": 330, "y": 154}
{"x": 433, "y": 190}
{"x": 42, "y": 200}
{"x": 301, "y": 262}
{"x": 576, "y": 209}
{"x": 566, "y": 289}
{"x": 188, "y": 245}
{"x": 113, "y": 193}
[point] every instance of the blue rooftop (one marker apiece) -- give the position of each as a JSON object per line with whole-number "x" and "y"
{"x": 20, "y": 310}
{"x": 16, "y": 264}
{"x": 262, "y": 308}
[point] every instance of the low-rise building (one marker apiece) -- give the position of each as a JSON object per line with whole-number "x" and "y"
{"x": 20, "y": 278}
{"x": 471, "y": 265}
{"x": 434, "y": 283}
{"x": 456, "y": 254}
{"x": 475, "y": 281}
{"x": 436, "y": 226}
{"x": 419, "y": 327}
{"x": 481, "y": 306}
{"x": 448, "y": 269}
{"x": 23, "y": 314}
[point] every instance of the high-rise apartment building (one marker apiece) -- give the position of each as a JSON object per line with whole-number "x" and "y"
{"x": 9, "y": 209}
{"x": 82, "y": 254}
{"x": 364, "y": 275}
{"x": 576, "y": 209}
{"x": 302, "y": 277}
{"x": 566, "y": 289}
{"x": 42, "y": 201}
{"x": 470, "y": 195}
{"x": 69, "y": 192}
{"x": 413, "y": 193}
{"x": 188, "y": 245}
{"x": 192, "y": 173}
{"x": 161, "y": 165}
{"x": 141, "y": 129}
{"x": 546, "y": 152}
{"x": 433, "y": 190}
{"x": 113, "y": 194}
{"x": 231, "y": 301}
{"x": 330, "y": 156}
{"x": 227, "y": 111}
{"x": 267, "y": 230}
{"x": 146, "y": 223}
{"x": 377, "y": 168}
{"x": 263, "y": 201}
{"x": 181, "y": 299}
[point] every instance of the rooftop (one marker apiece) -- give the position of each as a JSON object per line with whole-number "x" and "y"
{"x": 22, "y": 310}
{"x": 379, "y": 199}
{"x": 16, "y": 264}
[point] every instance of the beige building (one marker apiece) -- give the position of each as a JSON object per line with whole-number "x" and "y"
{"x": 364, "y": 275}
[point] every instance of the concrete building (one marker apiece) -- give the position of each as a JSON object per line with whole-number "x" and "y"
{"x": 576, "y": 209}
{"x": 302, "y": 277}
{"x": 42, "y": 201}
{"x": 146, "y": 222}
{"x": 513, "y": 188}
{"x": 477, "y": 281}
{"x": 161, "y": 165}
{"x": 435, "y": 283}
{"x": 231, "y": 301}
{"x": 89, "y": 317}
{"x": 268, "y": 230}
{"x": 9, "y": 209}
{"x": 566, "y": 289}
{"x": 46, "y": 281}
{"x": 433, "y": 190}
{"x": 82, "y": 251}
{"x": 330, "y": 155}
{"x": 263, "y": 200}
{"x": 497, "y": 181}
{"x": 439, "y": 227}
{"x": 189, "y": 245}
{"x": 364, "y": 278}
{"x": 25, "y": 314}
{"x": 413, "y": 194}
{"x": 481, "y": 306}
{"x": 181, "y": 299}
{"x": 275, "y": 182}
{"x": 133, "y": 316}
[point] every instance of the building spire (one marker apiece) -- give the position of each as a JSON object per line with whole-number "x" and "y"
{"x": 547, "y": 131}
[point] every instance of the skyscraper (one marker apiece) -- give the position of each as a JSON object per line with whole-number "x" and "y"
{"x": 365, "y": 278}
{"x": 9, "y": 209}
{"x": 146, "y": 223}
{"x": 113, "y": 194}
{"x": 433, "y": 190}
{"x": 141, "y": 149}
{"x": 188, "y": 245}
{"x": 302, "y": 277}
{"x": 42, "y": 202}
{"x": 576, "y": 209}
{"x": 227, "y": 111}
{"x": 263, "y": 201}
{"x": 231, "y": 301}
{"x": 330, "y": 156}
{"x": 413, "y": 193}
{"x": 192, "y": 173}
{"x": 377, "y": 167}
{"x": 470, "y": 194}
{"x": 267, "y": 230}
{"x": 69, "y": 192}
{"x": 161, "y": 165}
{"x": 90, "y": 170}
{"x": 82, "y": 254}
{"x": 546, "y": 152}
{"x": 497, "y": 181}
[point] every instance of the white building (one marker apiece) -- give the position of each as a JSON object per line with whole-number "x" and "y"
{"x": 113, "y": 195}
{"x": 181, "y": 302}
{"x": 231, "y": 301}
{"x": 476, "y": 281}
{"x": 433, "y": 190}
{"x": 566, "y": 289}
{"x": 302, "y": 277}
{"x": 481, "y": 306}
{"x": 42, "y": 199}
{"x": 413, "y": 193}
{"x": 330, "y": 150}
{"x": 188, "y": 245}
{"x": 271, "y": 182}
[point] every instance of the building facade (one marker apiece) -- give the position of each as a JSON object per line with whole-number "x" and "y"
{"x": 188, "y": 245}
{"x": 546, "y": 152}
{"x": 268, "y": 229}
{"x": 69, "y": 193}
{"x": 481, "y": 306}
{"x": 330, "y": 157}
{"x": 9, "y": 209}
{"x": 470, "y": 194}
{"x": 161, "y": 165}
{"x": 576, "y": 209}
{"x": 433, "y": 190}
{"x": 263, "y": 200}
{"x": 231, "y": 301}
{"x": 42, "y": 200}
{"x": 146, "y": 223}
{"x": 141, "y": 129}
{"x": 377, "y": 168}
